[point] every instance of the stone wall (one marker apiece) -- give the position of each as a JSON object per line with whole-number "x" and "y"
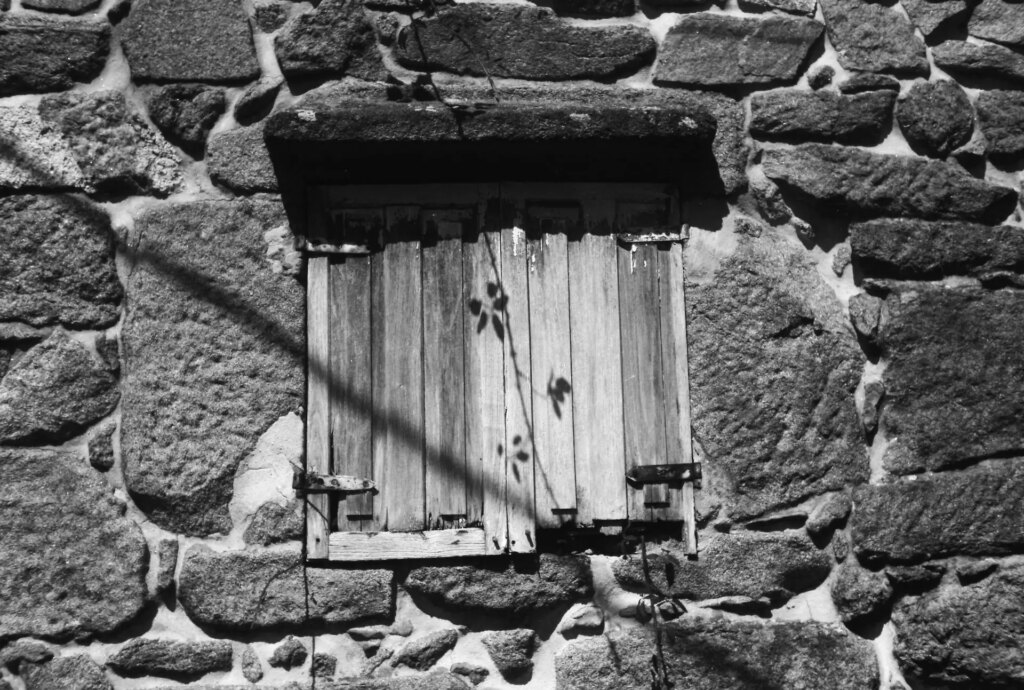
{"x": 855, "y": 318}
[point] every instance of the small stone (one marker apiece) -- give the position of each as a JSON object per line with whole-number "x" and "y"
{"x": 270, "y": 15}
{"x": 801, "y": 7}
{"x": 769, "y": 200}
{"x": 401, "y": 628}
{"x": 999, "y": 21}
{"x": 55, "y": 392}
{"x": 189, "y": 40}
{"x": 916, "y": 578}
{"x": 874, "y": 391}
{"x": 962, "y": 59}
{"x": 289, "y": 654}
{"x": 932, "y": 15}
{"x": 596, "y": 8}
{"x": 821, "y": 77}
{"x": 114, "y": 147}
{"x": 421, "y": 653}
{"x": 828, "y": 514}
{"x": 975, "y": 571}
{"x": 370, "y": 632}
{"x": 860, "y": 595}
{"x": 168, "y": 554}
{"x": 26, "y": 650}
{"x": 101, "y": 447}
{"x": 711, "y": 49}
{"x": 1000, "y": 115}
{"x": 370, "y": 647}
{"x": 40, "y": 54}
{"x": 387, "y": 26}
{"x": 510, "y": 650}
{"x": 68, "y": 6}
{"x": 841, "y": 259}
{"x": 582, "y": 619}
{"x": 890, "y": 46}
{"x": 471, "y": 672}
{"x": 257, "y": 100}
{"x": 795, "y": 115}
{"x": 239, "y": 160}
{"x": 936, "y": 117}
{"x": 186, "y": 113}
{"x": 77, "y": 672}
{"x": 171, "y": 658}
{"x": 324, "y": 665}
{"x": 274, "y": 523}
{"x": 252, "y": 669}
{"x": 523, "y": 41}
{"x": 866, "y": 81}
{"x": 745, "y": 225}
{"x": 337, "y": 39}
{"x": 881, "y": 184}
{"x": 866, "y": 314}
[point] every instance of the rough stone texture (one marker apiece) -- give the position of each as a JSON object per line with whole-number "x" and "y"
{"x": 802, "y": 7}
{"x": 65, "y": 534}
{"x": 976, "y": 512}
{"x": 963, "y": 59}
{"x": 954, "y": 363}
{"x": 866, "y": 81}
{"x": 935, "y": 117}
{"x": 33, "y": 155}
{"x": 966, "y": 637}
{"x": 508, "y": 588}
{"x": 171, "y": 658}
{"x": 101, "y": 446}
{"x": 421, "y": 653}
{"x": 722, "y": 655}
{"x": 471, "y": 672}
{"x": 186, "y": 113}
{"x": 40, "y": 54}
{"x": 720, "y": 50}
{"x": 582, "y": 619}
{"x": 324, "y": 665}
{"x": 821, "y": 77}
{"x": 522, "y": 41}
{"x": 860, "y": 594}
{"x": 793, "y": 115}
{"x": 189, "y": 40}
{"x": 873, "y": 38}
{"x": 436, "y": 680}
{"x": 258, "y": 99}
{"x": 252, "y": 669}
{"x": 24, "y": 650}
{"x": 510, "y": 650}
{"x": 270, "y": 15}
{"x": 289, "y": 654}
{"x": 915, "y": 578}
{"x": 931, "y": 15}
{"x": 750, "y": 564}
{"x": 1001, "y": 116}
{"x": 57, "y": 263}
{"x": 69, "y": 6}
{"x": 168, "y": 555}
{"x": 879, "y": 184}
{"x": 77, "y": 672}
{"x": 114, "y": 147}
{"x": 212, "y": 328}
{"x": 831, "y": 512}
{"x": 337, "y": 38}
{"x": 920, "y": 249}
{"x": 55, "y": 392}
{"x": 256, "y": 590}
{"x": 999, "y": 21}
{"x": 975, "y": 571}
{"x": 594, "y": 8}
{"x": 772, "y": 404}
{"x": 274, "y": 523}
{"x": 239, "y": 160}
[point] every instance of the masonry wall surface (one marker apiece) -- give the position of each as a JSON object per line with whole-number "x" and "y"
{"x": 855, "y": 309}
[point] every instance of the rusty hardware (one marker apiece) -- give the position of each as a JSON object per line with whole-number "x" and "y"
{"x": 314, "y": 483}
{"x": 641, "y": 475}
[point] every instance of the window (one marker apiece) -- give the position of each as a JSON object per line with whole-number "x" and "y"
{"x": 495, "y": 359}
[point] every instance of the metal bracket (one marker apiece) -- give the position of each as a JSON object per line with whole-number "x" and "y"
{"x": 314, "y": 483}
{"x": 641, "y": 475}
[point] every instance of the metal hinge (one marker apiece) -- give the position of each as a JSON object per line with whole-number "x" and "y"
{"x": 314, "y": 483}
{"x": 641, "y": 475}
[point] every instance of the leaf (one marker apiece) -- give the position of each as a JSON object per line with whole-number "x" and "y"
{"x": 643, "y": 611}
{"x": 558, "y": 409}
{"x": 562, "y": 385}
{"x": 501, "y": 449}
{"x": 475, "y": 306}
{"x": 523, "y": 456}
{"x": 492, "y": 289}
{"x": 499, "y": 328}
{"x": 515, "y": 472}
{"x": 482, "y": 323}
{"x": 516, "y": 440}
{"x": 501, "y": 303}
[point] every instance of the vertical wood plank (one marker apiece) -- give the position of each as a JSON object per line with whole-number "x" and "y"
{"x": 318, "y": 439}
{"x": 350, "y": 391}
{"x": 519, "y": 473}
{"x": 554, "y": 381}
{"x": 597, "y": 379}
{"x": 485, "y": 387}
{"x": 443, "y": 392}
{"x": 398, "y": 388}
{"x": 642, "y": 373}
{"x": 677, "y": 388}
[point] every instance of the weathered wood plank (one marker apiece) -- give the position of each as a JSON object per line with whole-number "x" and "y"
{"x": 597, "y": 379}
{"x": 643, "y": 395}
{"x": 318, "y": 403}
{"x": 397, "y": 356}
{"x": 443, "y": 383}
{"x": 377, "y": 546}
{"x": 351, "y": 395}
{"x": 679, "y": 447}
{"x": 519, "y": 473}
{"x": 485, "y": 387}
{"x": 553, "y": 381}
